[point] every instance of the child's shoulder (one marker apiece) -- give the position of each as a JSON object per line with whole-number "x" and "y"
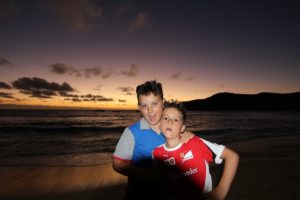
{"x": 158, "y": 151}
{"x": 195, "y": 140}
{"x": 159, "y": 148}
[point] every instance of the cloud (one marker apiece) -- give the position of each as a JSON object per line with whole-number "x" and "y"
{"x": 89, "y": 97}
{"x": 74, "y": 99}
{"x": 122, "y": 101}
{"x": 65, "y": 94}
{"x": 98, "y": 88}
{"x": 175, "y": 75}
{"x": 131, "y": 72}
{"x": 106, "y": 75}
{"x": 45, "y": 94}
{"x": 189, "y": 78}
{"x": 5, "y": 63}
{"x": 6, "y": 95}
{"x": 75, "y": 16}
{"x": 40, "y": 88}
{"x": 140, "y": 21}
{"x": 95, "y": 71}
{"x": 4, "y": 85}
{"x": 61, "y": 68}
{"x": 126, "y": 90}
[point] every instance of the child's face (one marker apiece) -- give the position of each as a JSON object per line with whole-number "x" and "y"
{"x": 171, "y": 123}
{"x": 151, "y": 107}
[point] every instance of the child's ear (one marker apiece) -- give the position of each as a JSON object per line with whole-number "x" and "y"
{"x": 182, "y": 129}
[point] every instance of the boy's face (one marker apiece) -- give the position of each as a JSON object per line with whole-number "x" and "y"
{"x": 151, "y": 107}
{"x": 171, "y": 123}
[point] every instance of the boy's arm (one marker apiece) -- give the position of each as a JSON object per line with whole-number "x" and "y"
{"x": 127, "y": 169}
{"x": 231, "y": 159}
{"x": 123, "y": 155}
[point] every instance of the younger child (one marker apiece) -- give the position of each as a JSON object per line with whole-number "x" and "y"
{"x": 186, "y": 165}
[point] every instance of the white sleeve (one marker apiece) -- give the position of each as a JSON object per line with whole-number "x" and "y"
{"x": 125, "y": 146}
{"x": 216, "y": 149}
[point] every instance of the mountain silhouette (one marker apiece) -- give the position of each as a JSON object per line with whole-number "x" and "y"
{"x": 261, "y": 101}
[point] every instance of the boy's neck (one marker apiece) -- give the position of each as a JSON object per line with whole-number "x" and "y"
{"x": 171, "y": 143}
{"x": 156, "y": 128}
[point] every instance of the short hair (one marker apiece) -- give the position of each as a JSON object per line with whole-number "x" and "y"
{"x": 150, "y": 87}
{"x": 177, "y": 105}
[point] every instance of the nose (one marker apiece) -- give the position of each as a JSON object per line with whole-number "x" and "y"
{"x": 150, "y": 109}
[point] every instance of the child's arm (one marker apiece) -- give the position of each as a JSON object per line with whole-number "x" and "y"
{"x": 231, "y": 159}
{"x": 127, "y": 169}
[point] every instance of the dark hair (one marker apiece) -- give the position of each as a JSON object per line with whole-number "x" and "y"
{"x": 150, "y": 87}
{"x": 177, "y": 105}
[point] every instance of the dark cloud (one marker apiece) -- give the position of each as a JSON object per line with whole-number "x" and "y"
{"x": 4, "y": 85}
{"x": 89, "y": 97}
{"x": 106, "y": 75}
{"x": 175, "y": 75}
{"x": 122, "y": 101}
{"x": 95, "y": 71}
{"x": 74, "y": 99}
{"x": 61, "y": 68}
{"x": 99, "y": 98}
{"x": 65, "y": 94}
{"x": 126, "y": 90}
{"x": 6, "y": 95}
{"x": 40, "y": 88}
{"x": 45, "y": 94}
{"x": 75, "y": 16}
{"x": 131, "y": 72}
{"x": 98, "y": 88}
{"x": 189, "y": 78}
{"x": 5, "y": 63}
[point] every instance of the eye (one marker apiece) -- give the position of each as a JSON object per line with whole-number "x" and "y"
{"x": 165, "y": 118}
{"x": 154, "y": 104}
{"x": 177, "y": 119}
{"x": 143, "y": 106}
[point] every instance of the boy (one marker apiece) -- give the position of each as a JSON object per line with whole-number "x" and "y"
{"x": 186, "y": 165}
{"x": 133, "y": 154}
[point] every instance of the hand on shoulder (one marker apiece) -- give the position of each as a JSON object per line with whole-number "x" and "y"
{"x": 186, "y": 135}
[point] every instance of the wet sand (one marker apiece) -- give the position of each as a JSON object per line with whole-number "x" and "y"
{"x": 269, "y": 169}
{"x": 93, "y": 182}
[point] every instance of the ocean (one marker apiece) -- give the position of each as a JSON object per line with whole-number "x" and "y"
{"x": 89, "y": 137}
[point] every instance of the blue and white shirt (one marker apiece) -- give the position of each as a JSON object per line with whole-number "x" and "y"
{"x": 137, "y": 143}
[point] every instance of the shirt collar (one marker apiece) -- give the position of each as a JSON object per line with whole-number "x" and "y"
{"x": 144, "y": 124}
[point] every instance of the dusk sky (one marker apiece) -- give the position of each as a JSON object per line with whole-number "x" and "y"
{"x": 93, "y": 53}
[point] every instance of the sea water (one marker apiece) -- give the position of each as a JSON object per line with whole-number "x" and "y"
{"x": 89, "y": 137}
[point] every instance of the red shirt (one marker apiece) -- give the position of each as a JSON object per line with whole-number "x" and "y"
{"x": 187, "y": 165}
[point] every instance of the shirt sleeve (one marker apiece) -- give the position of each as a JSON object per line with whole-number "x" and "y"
{"x": 216, "y": 149}
{"x": 125, "y": 146}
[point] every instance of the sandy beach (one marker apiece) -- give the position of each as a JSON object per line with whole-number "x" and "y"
{"x": 268, "y": 170}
